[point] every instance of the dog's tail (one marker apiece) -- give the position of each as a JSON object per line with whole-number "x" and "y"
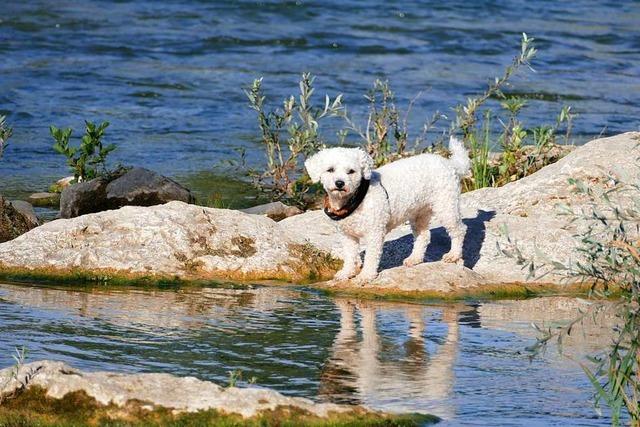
{"x": 459, "y": 157}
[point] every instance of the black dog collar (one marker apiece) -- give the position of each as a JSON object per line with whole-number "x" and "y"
{"x": 351, "y": 205}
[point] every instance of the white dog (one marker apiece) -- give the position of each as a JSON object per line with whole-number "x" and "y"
{"x": 367, "y": 204}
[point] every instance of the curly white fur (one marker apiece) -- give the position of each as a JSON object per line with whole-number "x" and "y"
{"x": 413, "y": 189}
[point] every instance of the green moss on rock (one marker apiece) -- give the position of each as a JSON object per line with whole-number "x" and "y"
{"x": 34, "y": 408}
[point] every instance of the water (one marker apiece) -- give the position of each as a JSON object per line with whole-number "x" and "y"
{"x": 464, "y": 362}
{"x": 168, "y": 75}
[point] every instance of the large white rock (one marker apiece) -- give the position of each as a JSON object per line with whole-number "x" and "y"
{"x": 527, "y": 208}
{"x": 183, "y": 394}
{"x": 171, "y": 239}
{"x": 196, "y": 242}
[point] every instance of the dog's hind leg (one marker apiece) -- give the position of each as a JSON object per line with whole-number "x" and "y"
{"x": 421, "y": 236}
{"x": 456, "y": 230}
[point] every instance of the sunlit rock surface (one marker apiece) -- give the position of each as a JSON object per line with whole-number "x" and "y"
{"x": 172, "y": 239}
{"x": 195, "y": 242}
{"x": 186, "y": 394}
{"x": 528, "y": 209}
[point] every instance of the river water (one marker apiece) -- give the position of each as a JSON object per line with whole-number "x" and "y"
{"x": 169, "y": 75}
{"x": 465, "y": 362}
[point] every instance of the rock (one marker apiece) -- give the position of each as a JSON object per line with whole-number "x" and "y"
{"x": 181, "y": 394}
{"x": 83, "y": 198}
{"x": 26, "y": 209}
{"x": 13, "y": 222}
{"x": 188, "y": 241}
{"x": 175, "y": 239}
{"x": 142, "y": 187}
{"x": 526, "y": 208}
{"x": 61, "y": 184}
{"x": 133, "y": 187}
{"x": 44, "y": 199}
{"x": 277, "y": 211}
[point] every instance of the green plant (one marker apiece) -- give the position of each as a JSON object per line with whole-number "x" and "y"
{"x": 234, "y": 377}
{"x": 609, "y": 249}
{"x": 88, "y": 160}
{"x": 5, "y": 134}
{"x": 386, "y": 134}
{"x": 466, "y": 115}
{"x": 19, "y": 357}
{"x": 289, "y": 134}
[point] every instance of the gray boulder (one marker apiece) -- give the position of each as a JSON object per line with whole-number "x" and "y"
{"x": 26, "y": 209}
{"x": 14, "y": 223}
{"x": 133, "y": 187}
{"x": 84, "y": 198}
{"x": 142, "y": 187}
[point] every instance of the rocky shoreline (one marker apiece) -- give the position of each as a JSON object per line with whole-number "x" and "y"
{"x": 178, "y": 241}
{"x": 140, "y": 398}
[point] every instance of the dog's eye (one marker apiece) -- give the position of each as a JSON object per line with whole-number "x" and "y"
{"x": 330, "y": 170}
{"x": 351, "y": 172}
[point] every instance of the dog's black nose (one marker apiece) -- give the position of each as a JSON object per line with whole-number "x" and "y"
{"x": 339, "y": 183}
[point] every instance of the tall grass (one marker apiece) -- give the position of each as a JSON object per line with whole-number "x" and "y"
{"x": 291, "y": 133}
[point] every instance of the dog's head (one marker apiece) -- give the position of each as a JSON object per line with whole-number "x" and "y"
{"x": 340, "y": 170}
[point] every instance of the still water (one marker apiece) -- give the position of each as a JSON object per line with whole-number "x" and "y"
{"x": 169, "y": 75}
{"x": 463, "y": 362}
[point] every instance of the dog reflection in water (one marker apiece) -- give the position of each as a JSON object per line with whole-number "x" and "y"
{"x": 394, "y": 372}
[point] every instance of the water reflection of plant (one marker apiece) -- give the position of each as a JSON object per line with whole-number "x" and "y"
{"x": 610, "y": 261}
{"x": 289, "y": 134}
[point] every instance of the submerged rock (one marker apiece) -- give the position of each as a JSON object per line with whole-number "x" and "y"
{"x": 14, "y": 221}
{"x": 44, "y": 199}
{"x": 131, "y": 396}
{"x": 133, "y": 187}
{"x": 61, "y": 184}
{"x": 175, "y": 239}
{"x": 277, "y": 211}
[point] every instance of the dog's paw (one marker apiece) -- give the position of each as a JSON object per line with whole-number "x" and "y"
{"x": 344, "y": 275}
{"x": 365, "y": 277}
{"x": 451, "y": 257}
{"x": 410, "y": 262}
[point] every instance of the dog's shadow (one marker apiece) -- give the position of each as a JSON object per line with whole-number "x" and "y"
{"x": 395, "y": 251}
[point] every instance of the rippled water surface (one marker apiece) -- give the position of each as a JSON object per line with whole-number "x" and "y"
{"x": 464, "y": 362}
{"x": 168, "y": 75}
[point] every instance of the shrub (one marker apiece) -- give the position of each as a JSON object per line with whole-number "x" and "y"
{"x": 291, "y": 133}
{"x": 288, "y": 136}
{"x": 610, "y": 260}
{"x": 88, "y": 160}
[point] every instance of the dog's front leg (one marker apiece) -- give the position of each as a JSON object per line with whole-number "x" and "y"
{"x": 372, "y": 256}
{"x": 351, "y": 257}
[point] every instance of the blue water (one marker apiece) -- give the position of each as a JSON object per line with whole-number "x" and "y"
{"x": 466, "y": 363}
{"x": 169, "y": 75}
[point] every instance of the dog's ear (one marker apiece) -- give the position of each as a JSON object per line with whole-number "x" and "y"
{"x": 314, "y": 166}
{"x": 366, "y": 163}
